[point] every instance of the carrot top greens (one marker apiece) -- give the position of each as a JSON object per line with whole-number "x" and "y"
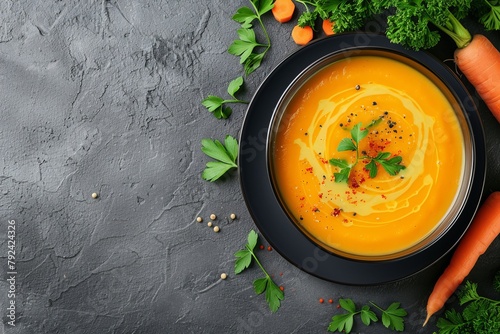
{"x": 480, "y": 315}
{"x": 412, "y": 23}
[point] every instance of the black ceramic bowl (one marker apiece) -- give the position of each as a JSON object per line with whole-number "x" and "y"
{"x": 262, "y": 197}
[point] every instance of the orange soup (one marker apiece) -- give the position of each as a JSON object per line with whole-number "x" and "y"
{"x": 402, "y": 114}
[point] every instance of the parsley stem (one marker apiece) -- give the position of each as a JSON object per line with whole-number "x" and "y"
{"x": 235, "y": 101}
{"x": 258, "y": 262}
{"x": 268, "y": 46}
{"x": 375, "y": 305}
{"x": 492, "y": 301}
{"x": 305, "y": 3}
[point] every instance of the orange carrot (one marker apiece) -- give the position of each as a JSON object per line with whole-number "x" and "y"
{"x": 328, "y": 27}
{"x": 481, "y": 233}
{"x": 283, "y": 10}
{"x": 480, "y": 62}
{"x": 302, "y": 36}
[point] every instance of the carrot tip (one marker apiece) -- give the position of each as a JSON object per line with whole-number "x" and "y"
{"x": 427, "y": 319}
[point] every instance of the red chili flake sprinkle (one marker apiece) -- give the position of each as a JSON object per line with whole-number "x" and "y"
{"x": 309, "y": 169}
{"x": 338, "y": 305}
{"x": 282, "y": 288}
{"x": 261, "y": 246}
{"x": 354, "y": 183}
{"x": 330, "y": 301}
{"x": 323, "y": 160}
{"x": 336, "y": 212}
{"x": 302, "y": 198}
{"x": 269, "y": 248}
{"x": 281, "y": 274}
{"x": 314, "y": 209}
{"x": 384, "y": 197}
{"x": 345, "y": 221}
{"x": 321, "y": 300}
{"x": 320, "y": 195}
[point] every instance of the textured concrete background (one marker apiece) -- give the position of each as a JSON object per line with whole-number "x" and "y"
{"x": 104, "y": 96}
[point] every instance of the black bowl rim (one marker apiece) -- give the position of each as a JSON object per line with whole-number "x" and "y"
{"x": 264, "y": 207}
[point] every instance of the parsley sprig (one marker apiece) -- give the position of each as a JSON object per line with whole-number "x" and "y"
{"x": 225, "y": 157}
{"x": 266, "y": 285}
{"x": 391, "y": 165}
{"x": 245, "y": 47}
{"x": 217, "y": 105}
{"x": 481, "y": 315}
{"x": 392, "y": 317}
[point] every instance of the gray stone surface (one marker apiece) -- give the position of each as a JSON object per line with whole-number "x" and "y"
{"x": 104, "y": 96}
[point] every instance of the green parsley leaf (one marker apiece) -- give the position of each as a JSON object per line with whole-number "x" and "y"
{"x": 393, "y": 165}
{"x": 367, "y": 315}
{"x": 235, "y": 86}
{"x": 252, "y": 240}
{"x": 342, "y": 323}
{"x": 245, "y": 16}
{"x": 375, "y": 122}
{"x": 212, "y": 102}
{"x": 345, "y": 169}
{"x": 260, "y": 285}
{"x": 274, "y": 295}
{"x": 392, "y": 318}
{"x": 371, "y": 167}
{"x": 358, "y": 134}
{"x": 348, "y": 305}
{"x": 214, "y": 170}
{"x": 341, "y": 163}
{"x": 225, "y": 157}
{"x": 244, "y": 46}
{"x": 347, "y": 144}
{"x": 343, "y": 175}
{"x": 231, "y": 147}
{"x": 382, "y": 156}
{"x": 243, "y": 260}
{"x": 215, "y": 149}
{"x": 263, "y": 6}
{"x": 253, "y": 62}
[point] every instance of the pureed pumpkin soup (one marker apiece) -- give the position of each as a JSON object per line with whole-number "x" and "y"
{"x": 367, "y": 156}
